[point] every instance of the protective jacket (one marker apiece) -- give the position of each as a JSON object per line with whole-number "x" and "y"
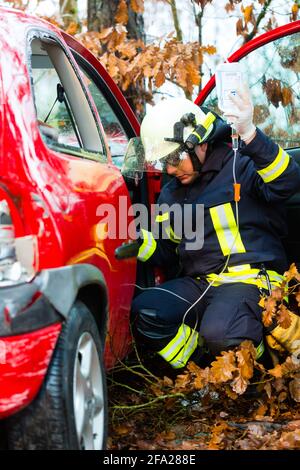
{"x": 268, "y": 176}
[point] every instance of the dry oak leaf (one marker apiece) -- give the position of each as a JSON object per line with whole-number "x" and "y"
{"x": 166, "y": 436}
{"x": 193, "y": 73}
{"x": 278, "y": 294}
{"x": 240, "y": 27}
{"x": 292, "y": 273}
{"x": 72, "y": 28}
{"x": 239, "y": 385}
{"x": 284, "y": 318}
{"x": 157, "y": 390}
{"x": 122, "y": 430}
{"x": 183, "y": 381}
{"x": 269, "y": 312}
{"x": 276, "y": 371}
{"x": 290, "y": 440}
{"x": 287, "y": 96}
{"x": 261, "y": 411}
{"x": 128, "y": 49}
{"x": 167, "y": 381}
{"x": 229, "y": 7}
{"x": 223, "y": 367}
{"x": 121, "y": 15}
{"x": 137, "y": 6}
{"x": 245, "y": 357}
{"x": 230, "y": 393}
{"x": 268, "y": 389}
{"x": 248, "y": 13}
{"x": 218, "y": 434}
{"x": 202, "y": 378}
{"x": 294, "y": 388}
{"x": 279, "y": 384}
{"x": 295, "y": 9}
{"x": 272, "y": 88}
{"x": 160, "y": 79}
{"x": 290, "y": 366}
{"x": 245, "y": 363}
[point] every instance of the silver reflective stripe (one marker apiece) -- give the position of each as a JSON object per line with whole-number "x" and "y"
{"x": 148, "y": 246}
{"x": 226, "y": 229}
{"x": 183, "y": 356}
{"x": 249, "y": 276}
{"x": 276, "y": 168}
{"x": 241, "y": 267}
{"x": 174, "y": 346}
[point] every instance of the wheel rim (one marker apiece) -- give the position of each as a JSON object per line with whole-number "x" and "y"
{"x": 88, "y": 395}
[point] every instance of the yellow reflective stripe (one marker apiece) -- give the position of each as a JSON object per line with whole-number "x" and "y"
{"x": 179, "y": 349}
{"x": 148, "y": 246}
{"x": 197, "y": 135}
{"x": 210, "y": 118}
{"x": 171, "y": 234}
{"x": 184, "y": 355}
{"x": 260, "y": 350}
{"x": 162, "y": 217}
{"x": 276, "y": 168}
{"x": 175, "y": 345}
{"x": 241, "y": 267}
{"x": 226, "y": 229}
{"x": 246, "y": 277}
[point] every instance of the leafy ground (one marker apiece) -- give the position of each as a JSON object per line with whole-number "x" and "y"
{"x": 235, "y": 403}
{"x": 201, "y": 410}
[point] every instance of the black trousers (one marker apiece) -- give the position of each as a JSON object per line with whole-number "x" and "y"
{"x": 225, "y": 316}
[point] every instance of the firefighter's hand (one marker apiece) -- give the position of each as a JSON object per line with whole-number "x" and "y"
{"x": 287, "y": 339}
{"x": 242, "y": 115}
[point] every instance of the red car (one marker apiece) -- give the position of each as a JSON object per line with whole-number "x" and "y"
{"x": 65, "y": 294}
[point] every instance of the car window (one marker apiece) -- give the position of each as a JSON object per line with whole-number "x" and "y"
{"x": 273, "y": 74}
{"x": 64, "y": 116}
{"x": 115, "y": 134}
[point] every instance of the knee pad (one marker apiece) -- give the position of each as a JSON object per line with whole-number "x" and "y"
{"x": 150, "y": 326}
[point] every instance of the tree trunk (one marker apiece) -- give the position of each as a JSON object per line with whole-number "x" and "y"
{"x": 101, "y": 15}
{"x": 68, "y": 11}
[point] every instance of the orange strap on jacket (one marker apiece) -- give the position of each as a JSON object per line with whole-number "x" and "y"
{"x": 237, "y": 191}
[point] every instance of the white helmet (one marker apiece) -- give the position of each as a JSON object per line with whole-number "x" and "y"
{"x": 160, "y": 121}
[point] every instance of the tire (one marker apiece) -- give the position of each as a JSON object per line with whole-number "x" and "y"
{"x": 70, "y": 411}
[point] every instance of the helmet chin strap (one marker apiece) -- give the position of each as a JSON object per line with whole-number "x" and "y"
{"x": 197, "y": 165}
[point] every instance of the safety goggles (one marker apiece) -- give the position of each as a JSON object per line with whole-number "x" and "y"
{"x": 176, "y": 157}
{"x": 135, "y": 163}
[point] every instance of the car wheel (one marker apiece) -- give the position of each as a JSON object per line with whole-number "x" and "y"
{"x": 70, "y": 411}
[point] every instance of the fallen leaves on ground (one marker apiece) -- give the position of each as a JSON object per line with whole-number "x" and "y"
{"x": 235, "y": 403}
{"x": 208, "y": 409}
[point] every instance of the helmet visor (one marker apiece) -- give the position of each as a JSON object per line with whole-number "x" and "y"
{"x": 135, "y": 163}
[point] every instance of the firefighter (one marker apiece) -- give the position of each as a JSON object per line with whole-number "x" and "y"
{"x": 213, "y": 299}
